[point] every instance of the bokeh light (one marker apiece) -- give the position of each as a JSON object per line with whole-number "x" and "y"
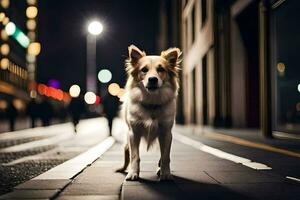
{"x": 95, "y": 28}
{"x": 113, "y": 89}
{"x": 31, "y": 12}
{"x": 74, "y": 91}
{"x": 34, "y": 48}
{"x": 4, "y": 63}
{"x": 31, "y": 24}
{"x": 299, "y": 87}
{"x": 5, "y": 3}
{"x": 2, "y": 16}
{"x": 90, "y": 97}
{"x": 4, "y": 35}
{"x": 10, "y": 28}
{"x": 104, "y": 76}
{"x": 4, "y": 49}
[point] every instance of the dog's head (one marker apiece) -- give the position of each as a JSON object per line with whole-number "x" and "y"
{"x": 153, "y": 72}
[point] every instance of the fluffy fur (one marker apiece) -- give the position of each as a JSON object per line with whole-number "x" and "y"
{"x": 150, "y": 105}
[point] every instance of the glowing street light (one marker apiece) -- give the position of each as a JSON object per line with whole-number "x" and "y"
{"x": 74, "y": 91}
{"x": 95, "y": 28}
{"x": 104, "y": 76}
{"x": 90, "y": 97}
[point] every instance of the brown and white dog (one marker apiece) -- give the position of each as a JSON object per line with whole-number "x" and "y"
{"x": 149, "y": 106}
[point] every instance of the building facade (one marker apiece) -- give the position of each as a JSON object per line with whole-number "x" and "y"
{"x": 18, "y": 22}
{"x": 239, "y": 63}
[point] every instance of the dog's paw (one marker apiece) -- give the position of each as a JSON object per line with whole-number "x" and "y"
{"x": 166, "y": 177}
{"x": 158, "y": 171}
{"x": 132, "y": 176}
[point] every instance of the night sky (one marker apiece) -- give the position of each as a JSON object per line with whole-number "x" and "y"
{"x": 63, "y": 28}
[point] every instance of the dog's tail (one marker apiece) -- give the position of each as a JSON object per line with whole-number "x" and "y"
{"x": 126, "y": 159}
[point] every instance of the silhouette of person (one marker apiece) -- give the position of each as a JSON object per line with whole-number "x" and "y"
{"x": 110, "y": 108}
{"x": 32, "y": 111}
{"x": 76, "y": 108}
{"x": 46, "y": 112}
{"x": 11, "y": 113}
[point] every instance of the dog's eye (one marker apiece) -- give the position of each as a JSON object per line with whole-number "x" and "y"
{"x": 160, "y": 69}
{"x": 144, "y": 69}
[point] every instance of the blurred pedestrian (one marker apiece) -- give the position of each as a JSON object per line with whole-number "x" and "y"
{"x": 11, "y": 113}
{"x": 110, "y": 108}
{"x": 76, "y": 108}
{"x": 32, "y": 111}
{"x": 46, "y": 112}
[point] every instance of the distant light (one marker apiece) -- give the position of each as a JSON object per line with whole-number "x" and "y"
{"x": 299, "y": 87}
{"x": 31, "y": 24}
{"x": 2, "y": 16}
{"x": 90, "y": 98}
{"x": 98, "y": 99}
{"x": 10, "y": 28}
{"x": 31, "y": 2}
{"x": 5, "y": 3}
{"x": 4, "y": 63}
{"x": 104, "y": 76}
{"x": 113, "y": 89}
{"x": 74, "y": 91}
{"x": 281, "y": 68}
{"x": 4, "y": 35}
{"x": 22, "y": 39}
{"x": 19, "y": 104}
{"x": 3, "y": 104}
{"x": 31, "y": 35}
{"x": 54, "y": 83}
{"x": 95, "y": 28}
{"x": 31, "y": 12}
{"x": 30, "y": 58}
{"x": 5, "y": 21}
{"x": 33, "y": 94}
{"x": 34, "y": 48}
{"x": 4, "y": 49}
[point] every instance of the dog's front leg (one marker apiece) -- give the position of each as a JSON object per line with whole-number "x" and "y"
{"x": 165, "y": 141}
{"x": 134, "y": 142}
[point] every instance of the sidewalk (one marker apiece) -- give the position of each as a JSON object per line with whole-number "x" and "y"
{"x": 197, "y": 175}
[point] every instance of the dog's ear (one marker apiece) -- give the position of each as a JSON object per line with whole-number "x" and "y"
{"x": 172, "y": 56}
{"x": 135, "y": 54}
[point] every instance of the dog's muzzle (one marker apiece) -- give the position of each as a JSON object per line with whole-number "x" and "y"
{"x": 152, "y": 83}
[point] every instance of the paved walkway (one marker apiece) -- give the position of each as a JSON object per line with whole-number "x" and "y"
{"x": 197, "y": 175}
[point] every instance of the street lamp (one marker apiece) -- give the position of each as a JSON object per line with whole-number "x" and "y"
{"x": 94, "y": 29}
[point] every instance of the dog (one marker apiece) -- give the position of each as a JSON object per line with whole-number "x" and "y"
{"x": 149, "y": 106}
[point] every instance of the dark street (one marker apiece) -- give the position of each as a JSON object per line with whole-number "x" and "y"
{"x": 160, "y": 99}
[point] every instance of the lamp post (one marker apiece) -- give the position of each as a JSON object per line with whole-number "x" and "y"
{"x": 94, "y": 29}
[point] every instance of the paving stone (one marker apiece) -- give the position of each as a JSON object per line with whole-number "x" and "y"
{"x": 243, "y": 177}
{"x": 92, "y": 189}
{"x": 100, "y": 177}
{"x": 268, "y": 191}
{"x": 43, "y": 184}
{"x": 30, "y": 194}
{"x": 159, "y": 191}
{"x": 89, "y": 197}
{"x": 210, "y": 191}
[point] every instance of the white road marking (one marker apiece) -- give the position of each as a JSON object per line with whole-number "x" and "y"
{"x": 69, "y": 169}
{"x": 218, "y": 153}
{"x": 293, "y": 178}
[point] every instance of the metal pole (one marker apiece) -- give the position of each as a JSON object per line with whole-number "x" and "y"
{"x": 91, "y": 63}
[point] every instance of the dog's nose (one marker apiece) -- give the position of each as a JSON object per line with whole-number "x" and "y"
{"x": 153, "y": 80}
